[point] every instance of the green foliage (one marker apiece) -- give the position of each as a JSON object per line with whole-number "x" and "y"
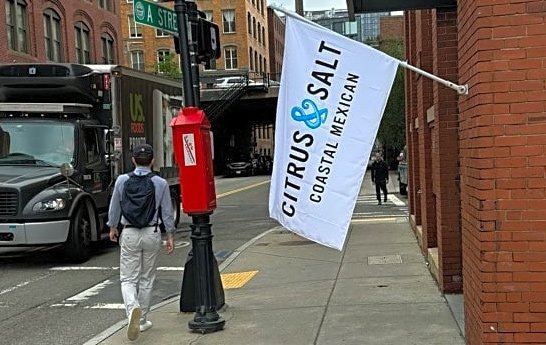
{"x": 392, "y": 131}
{"x": 169, "y": 66}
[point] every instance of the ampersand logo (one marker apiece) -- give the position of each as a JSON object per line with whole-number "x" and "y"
{"x": 312, "y": 119}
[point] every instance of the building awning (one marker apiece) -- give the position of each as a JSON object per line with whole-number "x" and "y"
{"x": 361, "y": 6}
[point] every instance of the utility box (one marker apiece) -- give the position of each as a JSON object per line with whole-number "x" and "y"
{"x": 193, "y": 153}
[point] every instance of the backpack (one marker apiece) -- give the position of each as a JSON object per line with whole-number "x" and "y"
{"x": 138, "y": 200}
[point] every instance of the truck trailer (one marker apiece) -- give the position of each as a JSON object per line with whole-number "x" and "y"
{"x": 66, "y": 133}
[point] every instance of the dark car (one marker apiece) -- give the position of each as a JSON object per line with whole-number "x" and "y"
{"x": 241, "y": 165}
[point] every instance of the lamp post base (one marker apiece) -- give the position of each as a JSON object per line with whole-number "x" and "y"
{"x": 206, "y": 322}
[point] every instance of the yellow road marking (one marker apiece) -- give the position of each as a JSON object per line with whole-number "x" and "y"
{"x": 241, "y": 189}
{"x": 236, "y": 280}
{"x": 375, "y": 220}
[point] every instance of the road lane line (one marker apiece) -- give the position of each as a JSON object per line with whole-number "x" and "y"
{"x": 92, "y": 291}
{"x": 104, "y": 268}
{"x": 241, "y": 189}
{"x": 20, "y": 285}
{"x": 395, "y": 200}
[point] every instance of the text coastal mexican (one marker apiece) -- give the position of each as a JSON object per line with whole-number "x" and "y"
{"x": 322, "y": 76}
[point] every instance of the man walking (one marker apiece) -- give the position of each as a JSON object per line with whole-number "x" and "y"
{"x": 133, "y": 205}
{"x": 380, "y": 175}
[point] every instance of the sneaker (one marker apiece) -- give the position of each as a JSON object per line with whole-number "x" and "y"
{"x": 133, "y": 329}
{"x": 146, "y": 325}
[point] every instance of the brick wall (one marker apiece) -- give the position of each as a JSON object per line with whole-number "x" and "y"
{"x": 424, "y": 102}
{"x": 445, "y": 145}
{"x": 391, "y": 28}
{"x": 502, "y": 138}
{"x": 98, "y": 20}
{"x": 276, "y": 43}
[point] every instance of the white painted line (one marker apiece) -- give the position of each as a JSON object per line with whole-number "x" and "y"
{"x": 395, "y": 200}
{"x": 111, "y": 306}
{"x": 83, "y": 268}
{"x": 64, "y": 305}
{"x": 98, "y": 268}
{"x": 170, "y": 268}
{"x": 20, "y": 285}
{"x": 92, "y": 291}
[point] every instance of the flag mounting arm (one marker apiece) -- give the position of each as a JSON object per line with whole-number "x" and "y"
{"x": 461, "y": 89}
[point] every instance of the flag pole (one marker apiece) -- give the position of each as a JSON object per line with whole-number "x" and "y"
{"x": 461, "y": 89}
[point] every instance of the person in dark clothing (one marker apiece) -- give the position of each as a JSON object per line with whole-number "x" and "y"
{"x": 380, "y": 176}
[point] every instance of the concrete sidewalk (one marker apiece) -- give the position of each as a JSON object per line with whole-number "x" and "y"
{"x": 378, "y": 290}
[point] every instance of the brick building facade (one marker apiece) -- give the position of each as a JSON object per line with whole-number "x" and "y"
{"x": 478, "y": 161}
{"x": 276, "y": 28}
{"x": 60, "y": 31}
{"x": 243, "y": 36}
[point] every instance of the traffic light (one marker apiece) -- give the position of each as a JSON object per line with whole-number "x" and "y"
{"x": 207, "y": 36}
{"x": 208, "y": 40}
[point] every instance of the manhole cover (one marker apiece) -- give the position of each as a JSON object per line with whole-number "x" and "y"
{"x": 295, "y": 243}
{"x": 384, "y": 259}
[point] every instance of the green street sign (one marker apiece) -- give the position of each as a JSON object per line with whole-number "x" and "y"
{"x": 148, "y": 13}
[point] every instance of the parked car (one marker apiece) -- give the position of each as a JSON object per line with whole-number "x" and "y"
{"x": 241, "y": 165}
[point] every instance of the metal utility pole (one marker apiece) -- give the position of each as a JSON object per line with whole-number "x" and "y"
{"x": 299, "y": 7}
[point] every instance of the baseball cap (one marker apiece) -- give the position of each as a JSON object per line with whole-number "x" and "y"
{"x": 143, "y": 151}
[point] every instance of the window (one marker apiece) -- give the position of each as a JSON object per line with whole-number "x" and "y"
{"x": 230, "y": 57}
{"x": 52, "y": 36}
{"x": 161, "y": 33}
{"x": 162, "y": 55}
{"x": 135, "y": 29}
{"x": 254, "y": 27}
{"x": 263, "y": 35}
{"x": 251, "y": 64}
{"x": 83, "y": 53}
{"x": 91, "y": 146}
{"x": 16, "y": 20}
{"x": 259, "y": 32}
{"x": 261, "y": 66}
{"x": 208, "y": 16}
{"x": 107, "y": 49}
{"x": 249, "y": 23}
{"x": 228, "y": 18}
{"x": 137, "y": 59}
{"x": 105, "y": 4}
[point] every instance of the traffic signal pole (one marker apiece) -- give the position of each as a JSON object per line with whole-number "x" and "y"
{"x": 207, "y": 286}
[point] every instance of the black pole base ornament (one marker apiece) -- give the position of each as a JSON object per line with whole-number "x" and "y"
{"x": 206, "y": 322}
{"x": 206, "y": 318}
{"x": 188, "y": 297}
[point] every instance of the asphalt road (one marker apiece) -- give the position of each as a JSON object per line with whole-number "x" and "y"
{"x": 45, "y": 301}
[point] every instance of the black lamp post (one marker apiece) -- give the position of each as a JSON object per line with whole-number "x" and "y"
{"x": 204, "y": 269}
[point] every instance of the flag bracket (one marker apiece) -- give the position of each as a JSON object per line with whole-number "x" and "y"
{"x": 461, "y": 89}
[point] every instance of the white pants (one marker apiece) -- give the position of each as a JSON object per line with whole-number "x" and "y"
{"x": 138, "y": 264}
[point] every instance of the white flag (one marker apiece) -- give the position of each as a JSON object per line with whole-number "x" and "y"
{"x": 332, "y": 96}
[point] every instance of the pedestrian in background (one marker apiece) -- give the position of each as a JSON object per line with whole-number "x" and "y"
{"x": 140, "y": 244}
{"x": 380, "y": 176}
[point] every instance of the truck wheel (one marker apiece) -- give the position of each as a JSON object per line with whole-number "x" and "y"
{"x": 78, "y": 245}
{"x": 175, "y": 202}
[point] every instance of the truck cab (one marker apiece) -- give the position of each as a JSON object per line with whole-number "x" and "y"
{"x": 61, "y": 149}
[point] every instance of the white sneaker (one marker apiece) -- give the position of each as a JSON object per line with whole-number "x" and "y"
{"x": 133, "y": 329}
{"x": 146, "y": 325}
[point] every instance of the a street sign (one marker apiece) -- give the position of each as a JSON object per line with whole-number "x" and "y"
{"x": 159, "y": 17}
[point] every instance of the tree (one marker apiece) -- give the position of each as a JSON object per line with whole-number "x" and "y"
{"x": 392, "y": 130}
{"x": 168, "y": 66}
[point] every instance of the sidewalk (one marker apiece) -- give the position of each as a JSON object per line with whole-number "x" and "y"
{"x": 377, "y": 291}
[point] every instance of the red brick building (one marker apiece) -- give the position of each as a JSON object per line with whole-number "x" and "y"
{"x": 85, "y": 31}
{"x": 478, "y": 161}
